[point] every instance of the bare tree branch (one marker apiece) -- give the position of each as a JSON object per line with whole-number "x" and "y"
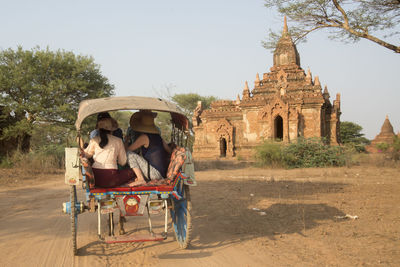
{"x": 352, "y": 19}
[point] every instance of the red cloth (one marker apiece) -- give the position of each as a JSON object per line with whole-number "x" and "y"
{"x": 112, "y": 178}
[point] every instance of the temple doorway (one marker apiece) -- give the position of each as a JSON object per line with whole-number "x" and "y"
{"x": 278, "y": 126}
{"x": 222, "y": 147}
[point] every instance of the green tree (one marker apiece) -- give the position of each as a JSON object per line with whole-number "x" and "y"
{"x": 350, "y": 133}
{"x": 40, "y": 87}
{"x": 347, "y": 20}
{"x": 188, "y": 102}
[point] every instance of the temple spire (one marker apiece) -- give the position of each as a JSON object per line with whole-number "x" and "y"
{"x": 246, "y": 91}
{"x": 316, "y": 81}
{"x": 326, "y": 93}
{"x": 308, "y": 76}
{"x": 285, "y": 53}
{"x": 285, "y": 27}
{"x": 387, "y": 126}
{"x": 257, "y": 81}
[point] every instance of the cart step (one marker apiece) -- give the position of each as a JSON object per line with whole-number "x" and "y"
{"x": 134, "y": 238}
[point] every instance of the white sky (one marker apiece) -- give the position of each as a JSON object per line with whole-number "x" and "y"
{"x": 210, "y": 47}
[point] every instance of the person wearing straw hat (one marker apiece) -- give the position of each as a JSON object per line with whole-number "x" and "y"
{"x": 108, "y": 150}
{"x": 152, "y": 165}
{"x": 105, "y": 115}
{"x": 131, "y": 135}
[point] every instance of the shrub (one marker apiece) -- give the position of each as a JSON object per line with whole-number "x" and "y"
{"x": 269, "y": 154}
{"x": 382, "y": 147}
{"x": 5, "y": 162}
{"x": 396, "y": 148}
{"x": 44, "y": 160}
{"x": 304, "y": 153}
{"x": 312, "y": 152}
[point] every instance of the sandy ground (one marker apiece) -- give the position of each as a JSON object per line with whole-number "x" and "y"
{"x": 242, "y": 217}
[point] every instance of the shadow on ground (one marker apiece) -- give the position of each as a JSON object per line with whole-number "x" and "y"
{"x": 221, "y": 164}
{"x": 223, "y": 210}
{"x": 222, "y": 213}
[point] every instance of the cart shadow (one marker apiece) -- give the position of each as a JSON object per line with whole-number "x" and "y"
{"x": 221, "y": 164}
{"x": 272, "y": 209}
{"x": 222, "y": 213}
{"x": 101, "y": 248}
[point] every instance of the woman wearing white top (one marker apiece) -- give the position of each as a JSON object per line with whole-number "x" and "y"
{"x": 106, "y": 151}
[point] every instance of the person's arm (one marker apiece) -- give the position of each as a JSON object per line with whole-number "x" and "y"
{"x": 89, "y": 151}
{"x": 121, "y": 157}
{"x": 143, "y": 140}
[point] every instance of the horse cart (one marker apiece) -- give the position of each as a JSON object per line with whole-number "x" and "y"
{"x": 170, "y": 197}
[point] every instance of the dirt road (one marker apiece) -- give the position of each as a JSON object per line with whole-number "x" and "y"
{"x": 242, "y": 217}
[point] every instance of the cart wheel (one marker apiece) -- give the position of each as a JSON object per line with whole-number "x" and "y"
{"x": 74, "y": 218}
{"x": 182, "y": 218}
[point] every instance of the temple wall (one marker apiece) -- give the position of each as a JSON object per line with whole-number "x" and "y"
{"x": 311, "y": 122}
{"x": 293, "y": 130}
{"x": 252, "y": 129}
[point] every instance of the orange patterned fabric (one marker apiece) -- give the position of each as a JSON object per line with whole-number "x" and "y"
{"x": 88, "y": 171}
{"x": 178, "y": 157}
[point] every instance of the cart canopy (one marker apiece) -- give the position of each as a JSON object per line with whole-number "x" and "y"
{"x": 93, "y": 106}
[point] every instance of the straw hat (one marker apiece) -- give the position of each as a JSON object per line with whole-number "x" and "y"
{"x": 136, "y": 117}
{"x": 108, "y": 124}
{"x": 145, "y": 124}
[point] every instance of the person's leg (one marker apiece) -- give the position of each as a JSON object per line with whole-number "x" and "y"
{"x": 104, "y": 177}
{"x": 140, "y": 178}
{"x": 124, "y": 176}
{"x": 138, "y": 165}
{"x": 141, "y": 168}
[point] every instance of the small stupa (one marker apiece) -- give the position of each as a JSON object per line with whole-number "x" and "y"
{"x": 385, "y": 136}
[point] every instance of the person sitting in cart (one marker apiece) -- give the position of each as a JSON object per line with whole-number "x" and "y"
{"x": 108, "y": 150}
{"x": 106, "y": 115}
{"x": 131, "y": 135}
{"x": 152, "y": 165}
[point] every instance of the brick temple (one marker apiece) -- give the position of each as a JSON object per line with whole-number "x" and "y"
{"x": 385, "y": 136}
{"x": 285, "y": 104}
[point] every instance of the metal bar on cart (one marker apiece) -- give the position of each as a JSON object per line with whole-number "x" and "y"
{"x": 111, "y": 220}
{"x": 98, "y": 220}
{"x": 166, "y": 216}
{"x": 148, "y": 214}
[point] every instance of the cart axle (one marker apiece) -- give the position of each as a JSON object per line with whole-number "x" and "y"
{"x": 79, "y": 207}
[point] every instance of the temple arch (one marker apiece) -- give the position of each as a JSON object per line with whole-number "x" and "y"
{"x": 224, "y": 133}
{"x": 278, "y": 128}
{"x": 222, "y": 147}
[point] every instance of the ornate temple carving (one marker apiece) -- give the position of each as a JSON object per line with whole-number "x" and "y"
{"x": 283, "y": 105}
{"x": 224, "y": 132}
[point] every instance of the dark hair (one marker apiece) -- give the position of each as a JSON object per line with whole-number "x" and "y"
{"x": 103, "y": 137}
{"x": 103, "y": 115}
